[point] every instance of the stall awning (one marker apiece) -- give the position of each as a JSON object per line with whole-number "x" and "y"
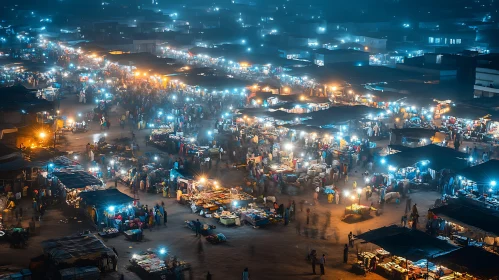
{"x": 71, "y": 249}
{"x": 105, "y": 198}
{"x": 471, "y": 216}
{"x": 310, "y": 129}
{"x": 484, "y": 173}
{"x": 341, "y": 114}
{"x": 436, "y": 157}
{"x": 472, "y": 260}
{"x": 404, "y": 242}
{"x": 77, "y": 179}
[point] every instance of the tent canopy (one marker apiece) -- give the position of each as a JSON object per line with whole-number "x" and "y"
{"x": 105, "y": 198}
{"x": 482, "y": 173}
{"x": 471, "y": 216}
{"x": 73, "y": 248}
{"x": 341, "y": 114}
{"x": 77, "y": 179}
{"x": 411, "y": 244}
{"x": 439, "y": 157}
{"x": 414, "y": 132}
{"x": 310, "y": 129}
{"x": 471, "y": 259}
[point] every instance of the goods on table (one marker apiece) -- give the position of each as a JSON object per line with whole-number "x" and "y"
{"x": 109, "y": 232}
{"x": 212, "y": 200}
{"x": 149, "y": 262}
{"x": 255, "y": 217}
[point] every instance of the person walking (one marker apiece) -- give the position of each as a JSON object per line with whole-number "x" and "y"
{"x": 246, "y": 274}
{"x": 165, "y": 217}
{"x": 198, "y": 227}
{"x": 313, "y": 256}
{"x": 292, "y": 211}
{"x": 345, "y": 254}
{"x": 350, "y": 239}
{"x": 408, "y": 205}
{"x": 208, "y": 276}
{"x": 322, "y": 262}
{"x": 308, "y": 216}
{"x": 403, "y": 220}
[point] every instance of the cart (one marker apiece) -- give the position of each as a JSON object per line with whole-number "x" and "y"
{"x": 134, "y": 235}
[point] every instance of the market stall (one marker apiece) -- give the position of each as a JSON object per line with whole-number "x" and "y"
{"x": 79, "y": 251}
{"x": 479, "y": 183}
{"x": 74, "y": 182}
{"x": 108, "y": 209}
{"x": 465, "y": 226}
{"x": 469, "y": 263}
{"x": 404, "y": 253}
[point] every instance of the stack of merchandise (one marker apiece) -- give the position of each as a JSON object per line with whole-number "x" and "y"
{"x": 149, "y": 262}
{"x": 216, "y": 238}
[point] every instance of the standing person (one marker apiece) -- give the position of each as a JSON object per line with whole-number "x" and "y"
{"x": 408, "y": 205}
{"x": 308, "y": 216}
{"x": 246, "y": 274}
{"x": 403, "y": 221}
{"x": 208, "y": 276}
{"x": 292, "y": 210}
{"x": 345, "y": 254}
{"x": 286, "y": 217}
{"x": 316, "y": 195}
{"x": 350, "y": 239}
{"x": 313, "y": 256}
{"x": 198, "y": 227}
{"x": 322, "y": 262}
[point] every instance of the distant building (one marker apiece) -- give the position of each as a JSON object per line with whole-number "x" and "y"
{"x": 371, "y": 43}
{"x": 324, "y": 57}
{"x": 294, "y": 53}
{"x": 486, "y": 82}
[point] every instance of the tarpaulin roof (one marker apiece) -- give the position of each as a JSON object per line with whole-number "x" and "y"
{"x": 332, "y": 115}
{"x": 73, "y": 248}
{"x": 471, "y": 216}
{"x": 482, "y": 173}
{"x": 105, "y": 198}
{"x": 471, "y": 113}
{"x": 77, "y": 179}
{"x": 340, "y": 114}
{"x": 414, "y": 132}
{"x": 291, "y": 97}
{"x": 60, "y": 161}
{"x": 472, "y": 260}
{"x": 309, "y": 129}
{"x": 296, "y": 104}
{"x": 265, "y": 113}
{"x": 411, "y": 244}
{"x": 439, "y": 158}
